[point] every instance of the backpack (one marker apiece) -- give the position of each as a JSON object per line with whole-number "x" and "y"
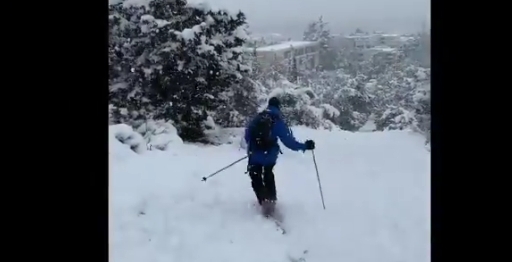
{"x": 261, "y": 132}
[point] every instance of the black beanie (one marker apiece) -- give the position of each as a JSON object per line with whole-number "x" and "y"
{"x": 274, "y": 102}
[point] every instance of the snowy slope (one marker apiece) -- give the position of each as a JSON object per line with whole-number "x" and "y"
{"x": 376, "y": 188}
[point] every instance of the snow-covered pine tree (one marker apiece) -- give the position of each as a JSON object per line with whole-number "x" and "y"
{"x": 241, "y": 98}
{"x": 346, "y": 94}
{"x": 403, "y": 99}
{"x": 181, "y": 57}
{"x": 293, "y": 74}
{"x": 318, "y": 31}
{"x": 129, "y": 103}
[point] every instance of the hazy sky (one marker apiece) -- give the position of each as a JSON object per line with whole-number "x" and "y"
{"x": 291, "y": 16}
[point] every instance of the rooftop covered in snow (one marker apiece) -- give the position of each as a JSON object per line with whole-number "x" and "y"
{"x": 390, "y": 35}
{"x": 369, "y": 35}
{"x": 383, "y": 49}
{"x": 360, "y": 36}
{"x": 406, "y": 38}
{"x": 285, "y": 45}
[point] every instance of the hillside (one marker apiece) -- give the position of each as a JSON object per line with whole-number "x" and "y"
{"x": 376, "y": 188}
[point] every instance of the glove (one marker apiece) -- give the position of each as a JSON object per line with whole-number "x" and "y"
{"x": 310, "y": 144}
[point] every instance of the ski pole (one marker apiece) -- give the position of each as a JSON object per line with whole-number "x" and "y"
{"x": 204, "y": 178}
{"x": 318, "y": 177}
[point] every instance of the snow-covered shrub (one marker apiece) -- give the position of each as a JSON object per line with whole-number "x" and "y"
{"x": 226, "y": 136}
{"x": 396, "y": 118}
{"x": 125, "y": 134}
{"x": 296, "y": 104}
{"x": 330, "y": 113}
{"x": 347, "y": 95}
{"x": 403, "y": 100}
{"x": 159, "y": 134}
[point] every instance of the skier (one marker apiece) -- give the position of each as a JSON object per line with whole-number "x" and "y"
{"x": 262, "y": 148}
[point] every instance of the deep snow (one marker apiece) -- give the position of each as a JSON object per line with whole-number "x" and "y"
{"x": 376, "y": 187}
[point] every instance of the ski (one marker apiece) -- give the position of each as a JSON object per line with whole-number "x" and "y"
{"x": 280, "y": 227}
{"x": 268, "y": 210}
{"x": 278, "y": 223}
{"x": 300, "y": 259}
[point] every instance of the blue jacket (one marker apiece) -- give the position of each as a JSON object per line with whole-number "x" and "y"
{"x": 279, "y": 130}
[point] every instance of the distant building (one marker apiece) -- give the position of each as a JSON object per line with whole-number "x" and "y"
{"x": 306, "y": 53}
{"x": 381, "y": 53}
{"x": 357, "y": 41}
{"x": 363, "y": 41}
{"x": 263, "y": 39}
{"x": 391, "y": 40}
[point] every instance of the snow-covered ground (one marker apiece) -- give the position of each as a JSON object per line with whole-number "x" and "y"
{"x": 369, "y": 126}
{"x": 376, "y": 187}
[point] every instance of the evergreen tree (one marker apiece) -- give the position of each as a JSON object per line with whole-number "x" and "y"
{"x": 173, "y": 61}
{"x": 318, "y": 31}
{"x": 294, "y": 71}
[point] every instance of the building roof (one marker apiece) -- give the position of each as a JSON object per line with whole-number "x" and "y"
{"x": 370, "y": 35}
{"x": 406, "y": 38}
{"x": 285, "y": 45}
{"x": 383, "y": 49}
{"x": 247, "y": 49}
{"x": 359, "y": 36}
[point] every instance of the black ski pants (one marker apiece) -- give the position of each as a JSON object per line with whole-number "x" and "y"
{"x": 263, "y": 182}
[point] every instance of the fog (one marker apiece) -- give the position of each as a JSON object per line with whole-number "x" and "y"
{"x": 290, "y": 17}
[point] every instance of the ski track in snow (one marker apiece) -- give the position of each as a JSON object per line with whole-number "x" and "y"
{"x": 376, "y": 188}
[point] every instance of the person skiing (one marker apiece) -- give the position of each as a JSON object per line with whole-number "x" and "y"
{"x": 262, "y": 148}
